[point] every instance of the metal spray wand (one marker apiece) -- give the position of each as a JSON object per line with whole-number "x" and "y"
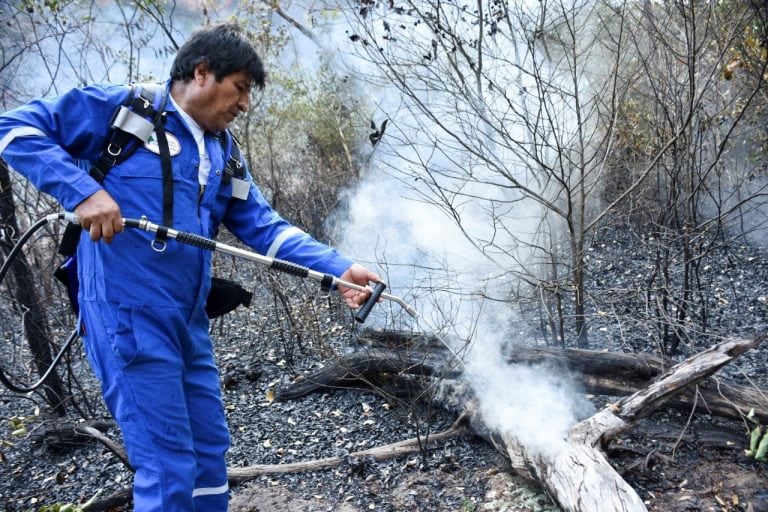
{"x": 326, "y": 280}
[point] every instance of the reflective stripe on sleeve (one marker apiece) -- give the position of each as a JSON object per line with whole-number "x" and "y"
{"x": 281, "y": 238}
{"x": 208, "y": 491}
{"x": 24, "y": 131}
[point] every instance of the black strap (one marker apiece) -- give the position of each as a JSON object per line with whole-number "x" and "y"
{"x": 166, "y": 164}
{"x": 233, "y": 167}
{"x": 141, "y": 100}
{"x": 326, "y": 283}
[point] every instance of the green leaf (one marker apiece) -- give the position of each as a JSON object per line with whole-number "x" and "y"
{"x": 754, "y": 438}
{"x": 762, "y": 449}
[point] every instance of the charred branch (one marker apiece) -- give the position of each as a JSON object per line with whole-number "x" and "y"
{"x": 379, "y": 453}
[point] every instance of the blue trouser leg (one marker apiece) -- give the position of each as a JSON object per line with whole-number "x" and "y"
{"x": 207, "y": 420}
{"x": 160, "y": 383}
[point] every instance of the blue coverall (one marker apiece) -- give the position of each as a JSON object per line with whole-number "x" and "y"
{"x": 146, "y": 331}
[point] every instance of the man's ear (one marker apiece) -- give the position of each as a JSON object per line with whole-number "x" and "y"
{"x": 201, "y": 72}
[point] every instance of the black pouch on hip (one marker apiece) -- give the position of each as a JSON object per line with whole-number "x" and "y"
{"x": 225, "y": 296}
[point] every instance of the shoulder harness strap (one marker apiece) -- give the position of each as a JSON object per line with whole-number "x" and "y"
{"x": 133, "y": 122}
{"x": 234, "y": 166}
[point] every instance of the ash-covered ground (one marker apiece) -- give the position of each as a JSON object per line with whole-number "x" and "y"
{"x": 674, "y": 461}
{"x": 258, "y": 355}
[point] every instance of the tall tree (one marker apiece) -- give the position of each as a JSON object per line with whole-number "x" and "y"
{"x": 20, "y": 358}
{"x": 695, "y": 85}
{"x": 512, "y": 113}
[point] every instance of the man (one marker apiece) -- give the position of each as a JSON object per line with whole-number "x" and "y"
{"x": 145, "y": 327}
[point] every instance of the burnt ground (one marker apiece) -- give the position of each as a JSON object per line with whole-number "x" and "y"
{"x": 678, "y": 466}
{"x": 675, "y": 462}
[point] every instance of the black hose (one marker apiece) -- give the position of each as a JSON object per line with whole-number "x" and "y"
{"x": 17, "y": 248}
{"x": 21, "y": 388}
{"x": 4, "y": 379}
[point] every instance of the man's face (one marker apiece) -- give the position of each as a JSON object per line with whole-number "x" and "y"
{"x": 220, "y": 102}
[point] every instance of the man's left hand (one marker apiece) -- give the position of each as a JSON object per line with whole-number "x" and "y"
{"x": 357, "y": 274}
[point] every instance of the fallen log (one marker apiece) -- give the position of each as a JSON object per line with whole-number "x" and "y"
{"x": 371, "y": 368}
{"x": 600, "y": 373}
{"x": 577, "y": 474}
{"x": 576, "y": 471}
{"x": 62, "y": 436}
{"x": 620, "y": 374}
{"x": 111, "y": 502}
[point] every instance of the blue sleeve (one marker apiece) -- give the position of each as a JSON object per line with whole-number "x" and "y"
{"x": 43, "y": 139}
{"x": 257, "y": 224}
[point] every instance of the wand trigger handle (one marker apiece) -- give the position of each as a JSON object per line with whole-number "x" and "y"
{"x": 365, "y": 309}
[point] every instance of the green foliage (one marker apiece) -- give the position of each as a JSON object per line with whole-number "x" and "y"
{"x": 310, "y": 111}
{"x": 305, "y": 141}
{"x": 758, "y": 440}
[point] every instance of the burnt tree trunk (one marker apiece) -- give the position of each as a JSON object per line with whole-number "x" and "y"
{"x": 620, "y": 374}
{"x": 35, "y": 322}
{"x": 392, "y": 355}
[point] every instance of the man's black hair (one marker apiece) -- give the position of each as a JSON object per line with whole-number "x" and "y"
{"x": 226, "y": 50}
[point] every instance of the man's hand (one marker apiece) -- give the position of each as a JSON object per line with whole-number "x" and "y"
{"x": 100, "y": 215}
{"x": 357, "y": 274}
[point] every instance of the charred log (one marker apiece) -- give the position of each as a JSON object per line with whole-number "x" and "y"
{"x": 63, "y": 436}
{"x": 575, "y": 471}
{"x": 118, "y": 499}
{"x": 372, "y": 368}
{"x": 601, "y": 373}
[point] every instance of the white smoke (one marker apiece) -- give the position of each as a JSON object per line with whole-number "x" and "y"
{"x": 457, "y": 278}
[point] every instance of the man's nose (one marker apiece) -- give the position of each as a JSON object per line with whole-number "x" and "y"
{"x": 244, "y": 103}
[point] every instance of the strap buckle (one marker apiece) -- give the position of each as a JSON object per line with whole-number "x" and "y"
{"x": 114, "y": 152}
{"x": 159, "y": 245}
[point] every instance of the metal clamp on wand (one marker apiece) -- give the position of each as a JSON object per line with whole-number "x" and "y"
{"x": 184, "y": 237}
